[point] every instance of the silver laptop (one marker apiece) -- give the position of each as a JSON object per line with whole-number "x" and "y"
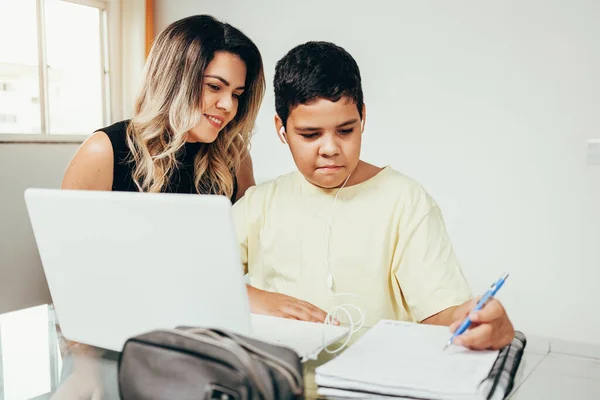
{"x": 119, "y": 264}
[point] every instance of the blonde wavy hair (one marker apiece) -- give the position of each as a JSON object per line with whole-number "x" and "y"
{"x": 169, "y": 104}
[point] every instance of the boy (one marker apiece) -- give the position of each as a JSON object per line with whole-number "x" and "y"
{"x": 341, "y": 227}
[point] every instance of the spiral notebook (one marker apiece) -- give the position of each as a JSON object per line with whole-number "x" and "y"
{"x": 401, "y": 359}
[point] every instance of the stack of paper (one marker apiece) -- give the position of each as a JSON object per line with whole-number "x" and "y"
{"x": 402, "y": 359}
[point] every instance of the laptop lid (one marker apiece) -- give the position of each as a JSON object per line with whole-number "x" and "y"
{"x": 119, "y": 264}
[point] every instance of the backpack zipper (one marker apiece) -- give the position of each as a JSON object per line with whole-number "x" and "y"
{"x": 287, "y": 370}
{"x": 213, "y": 339}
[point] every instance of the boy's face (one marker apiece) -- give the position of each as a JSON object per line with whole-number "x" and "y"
{"x": 325, "y": 138}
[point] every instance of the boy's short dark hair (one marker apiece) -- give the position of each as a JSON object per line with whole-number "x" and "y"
{"x": 312, "y": 71}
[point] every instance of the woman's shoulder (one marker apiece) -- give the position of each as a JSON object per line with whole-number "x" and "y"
{"x": 117, "y": 134}
{"x": 91, "y": 166}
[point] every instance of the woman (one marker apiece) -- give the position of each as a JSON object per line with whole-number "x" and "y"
{"x": 201, "y": 90}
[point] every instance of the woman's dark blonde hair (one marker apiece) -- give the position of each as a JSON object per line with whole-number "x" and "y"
{"x": 168, "y": 105}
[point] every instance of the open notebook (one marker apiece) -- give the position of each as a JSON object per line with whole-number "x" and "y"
{"x": 401, "y": 359}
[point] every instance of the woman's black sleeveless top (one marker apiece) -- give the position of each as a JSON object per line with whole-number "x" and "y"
{"x": 182, "y": 178}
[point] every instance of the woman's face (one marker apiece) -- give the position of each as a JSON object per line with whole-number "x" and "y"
{"x": 224, "y": 80}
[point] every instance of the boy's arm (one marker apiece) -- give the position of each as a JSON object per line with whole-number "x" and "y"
{"x": 283, "y": 306}
{"x": 490, "y": 328}
{"x": 444, "y": 318}
{"x": 262, "y": 301}
{"x": 427, "y": 268}
{"x": 436, "y": 291}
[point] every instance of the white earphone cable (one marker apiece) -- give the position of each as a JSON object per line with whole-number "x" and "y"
{"x": 345, "y": 308}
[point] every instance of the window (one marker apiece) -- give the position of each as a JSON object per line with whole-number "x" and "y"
{"x": 53, "y": 66}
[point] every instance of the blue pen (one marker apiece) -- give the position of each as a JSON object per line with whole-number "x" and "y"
{"x": 467, "y": 322}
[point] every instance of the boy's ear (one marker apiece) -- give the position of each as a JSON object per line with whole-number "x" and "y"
{"x": 280, "y": 129}
{"x": 364, "y": 118}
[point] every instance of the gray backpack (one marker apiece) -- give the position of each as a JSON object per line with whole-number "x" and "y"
{"x": 197, "y": 363}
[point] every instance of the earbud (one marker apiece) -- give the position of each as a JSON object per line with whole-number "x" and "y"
{"x": 330, "y": 281}
{"x": 362, "y": 125}
{"x": 282, "y": 134}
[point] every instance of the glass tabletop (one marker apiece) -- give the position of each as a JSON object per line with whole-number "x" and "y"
{"x": 37, "y": 362}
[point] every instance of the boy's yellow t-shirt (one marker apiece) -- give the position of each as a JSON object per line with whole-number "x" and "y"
{"x": 389, "y": 251}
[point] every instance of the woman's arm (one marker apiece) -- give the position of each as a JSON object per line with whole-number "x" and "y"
{"x": 245, "y": 175}
{"x": 91, "y": 168}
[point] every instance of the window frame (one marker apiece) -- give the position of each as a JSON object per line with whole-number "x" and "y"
{"x": 109, "y": 20}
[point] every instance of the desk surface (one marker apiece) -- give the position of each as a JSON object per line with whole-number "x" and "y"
{"x": 35, "y": 363}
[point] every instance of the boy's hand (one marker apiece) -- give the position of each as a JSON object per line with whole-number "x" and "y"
{"x": 490, "y": 327}
{"x": 281, "y": 305}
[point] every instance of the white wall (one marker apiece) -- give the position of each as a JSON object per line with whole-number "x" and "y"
{"x": 22, "y": 282}
{"x": 487, "y": 104}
